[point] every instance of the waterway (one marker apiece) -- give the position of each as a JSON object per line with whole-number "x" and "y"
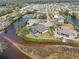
{"x": 22, "y": 20}
{"x": 12, "y": 52}
{"x": 75, "y": 21}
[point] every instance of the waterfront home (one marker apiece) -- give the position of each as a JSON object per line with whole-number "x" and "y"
{"x": 26, "y": 17}
{"x": 65, "y": 32}
{"x": 30, "y": 22}
{"x": 38, "y": 29}
{"x": 9, "y": 17}
{"x": 2, "y": 23}
{"x": 59, "y": 18}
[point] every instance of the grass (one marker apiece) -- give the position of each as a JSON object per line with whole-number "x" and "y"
{"x": 23, "y": 33}
{"x": 32, "y": 39}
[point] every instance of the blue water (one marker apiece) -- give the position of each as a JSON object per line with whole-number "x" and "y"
{"x": 22, "y": 20}
{"x": 76, "y": 22}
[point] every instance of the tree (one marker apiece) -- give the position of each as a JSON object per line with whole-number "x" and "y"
{"x": 42, "y": 16}
{"x": 74, "y": 15}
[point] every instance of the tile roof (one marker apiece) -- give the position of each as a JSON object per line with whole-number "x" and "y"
{"x": 39, "y": 28}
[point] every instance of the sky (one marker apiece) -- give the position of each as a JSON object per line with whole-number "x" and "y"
{"x": 3, "y": 1}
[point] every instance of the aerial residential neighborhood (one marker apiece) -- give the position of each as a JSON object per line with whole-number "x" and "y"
{"x": 39, "y": 29}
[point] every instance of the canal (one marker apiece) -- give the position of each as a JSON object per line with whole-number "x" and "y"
{"x": 12, "y": 52}
{"x": 75, "y": 21}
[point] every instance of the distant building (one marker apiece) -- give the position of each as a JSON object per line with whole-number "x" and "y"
{"x": 9, "y": 17}
{"x": 2, "y": 23}
{"x": 27, "y": 17}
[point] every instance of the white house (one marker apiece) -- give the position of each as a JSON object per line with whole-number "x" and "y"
{"x": 59, "y": 18}
{"x": 32, "y": 21}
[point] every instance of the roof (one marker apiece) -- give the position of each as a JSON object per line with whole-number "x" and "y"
{"x": 27, "y": 16}
{"x": 56, "y": 16}
{"x": 32, "y": 21}
{"x": 59, "y": 17}
{"x": 48, "y": 24}
{"x": 38, "y": 28}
